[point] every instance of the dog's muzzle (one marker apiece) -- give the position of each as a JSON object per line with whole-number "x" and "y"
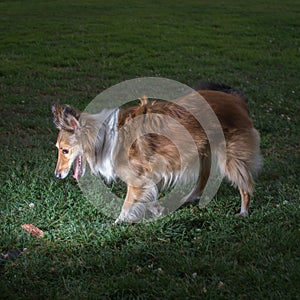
{"x": 60, "y": 175}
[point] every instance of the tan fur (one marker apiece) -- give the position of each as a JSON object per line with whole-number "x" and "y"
{"x": 153, "y": 158}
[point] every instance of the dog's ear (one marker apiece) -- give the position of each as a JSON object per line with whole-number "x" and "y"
{"x": 65, "y": 117}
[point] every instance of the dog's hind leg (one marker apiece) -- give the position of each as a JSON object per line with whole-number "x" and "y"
{"x": 194, "y": 195}
{"x": 242, "y": 164}
{"x": 238, "y": 172}
{"x": 245, "y": 203}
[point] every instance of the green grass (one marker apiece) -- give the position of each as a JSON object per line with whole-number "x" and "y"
{"x": 70, "y": 51}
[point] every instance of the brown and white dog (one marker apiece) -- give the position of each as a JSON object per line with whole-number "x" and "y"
{"x": 148, "y": 145}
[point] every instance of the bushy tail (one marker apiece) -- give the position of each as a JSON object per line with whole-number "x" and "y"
{"x": 221, "y": 87}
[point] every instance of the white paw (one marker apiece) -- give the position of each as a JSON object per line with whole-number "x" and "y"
{"x": 135, "y": 214}
{"x": 243, "y": 214}
{"x": 156, "y": 209}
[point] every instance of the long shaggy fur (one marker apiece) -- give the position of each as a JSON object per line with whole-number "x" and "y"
{"x": 149, "y": 146}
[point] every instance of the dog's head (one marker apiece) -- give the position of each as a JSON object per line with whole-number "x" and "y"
{"x": 69, "y": 143}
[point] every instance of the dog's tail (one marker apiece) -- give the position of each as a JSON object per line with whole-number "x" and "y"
{"x": 221, "y": 87}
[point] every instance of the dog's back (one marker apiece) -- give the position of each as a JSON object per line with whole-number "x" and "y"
{"x": 220, "y": 87}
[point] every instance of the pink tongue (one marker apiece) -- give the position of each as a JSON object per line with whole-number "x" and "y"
{"x": 75, "y": 176}
{"x": 76, "y": 170}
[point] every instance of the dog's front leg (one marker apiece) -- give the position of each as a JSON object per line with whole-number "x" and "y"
{"x": 136, "y": 203}
{"x": 132, "y": 211}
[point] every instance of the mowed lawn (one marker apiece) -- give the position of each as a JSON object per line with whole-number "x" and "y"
{"x": 69, "y": 52}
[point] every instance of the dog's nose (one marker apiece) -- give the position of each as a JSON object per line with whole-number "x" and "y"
{"x": 58, "y": 175}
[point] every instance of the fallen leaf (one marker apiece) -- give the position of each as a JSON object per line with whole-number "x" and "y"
{"x": 33, "y": 230}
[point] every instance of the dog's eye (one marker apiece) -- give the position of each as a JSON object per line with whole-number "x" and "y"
{"x": 65, "y": 151}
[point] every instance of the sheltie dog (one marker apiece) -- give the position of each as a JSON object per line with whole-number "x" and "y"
{"x": 148, "y": 145}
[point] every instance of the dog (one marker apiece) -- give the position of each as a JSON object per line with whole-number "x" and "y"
{"x": 148, "y": 145}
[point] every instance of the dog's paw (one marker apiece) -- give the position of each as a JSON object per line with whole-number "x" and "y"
{"x": 118, "y": 221}
{"x": 243, "y": 214}
{"x": 157, "y": 210}
{"x": 135, "y": 214}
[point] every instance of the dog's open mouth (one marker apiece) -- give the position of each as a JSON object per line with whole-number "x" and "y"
{"x": 78, "y": 168}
